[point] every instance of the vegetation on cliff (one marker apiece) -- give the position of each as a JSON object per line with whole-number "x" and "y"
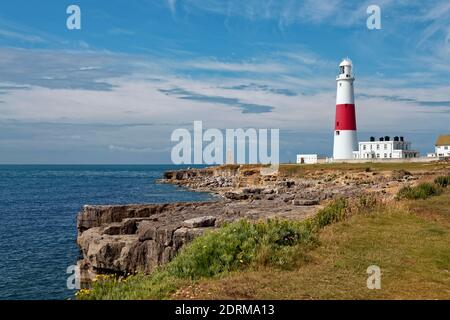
{"x": 424, "y": 190}
{"x": 319, "y": 258}
{"x": 421, "y": 191}
{"x": 240, "y": 245}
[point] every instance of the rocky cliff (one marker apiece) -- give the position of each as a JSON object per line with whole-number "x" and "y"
{"x": 138, "y": 238}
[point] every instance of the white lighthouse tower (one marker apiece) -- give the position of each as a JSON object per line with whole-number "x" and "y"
{"x": 345, "y": 139}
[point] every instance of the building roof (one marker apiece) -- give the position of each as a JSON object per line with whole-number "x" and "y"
{"x": 443, "y": 140}
{"x": 346, "y": 62}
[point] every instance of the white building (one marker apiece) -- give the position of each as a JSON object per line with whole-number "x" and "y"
{"x": 307, "y": 158}
{"x": 442, "y": 146}
{"x": 385, "y": 148}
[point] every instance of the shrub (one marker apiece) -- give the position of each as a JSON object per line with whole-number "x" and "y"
{"x": 366, "y": 203}
{"x": 442, "y": 181}
{"x": 421, "y": 191}
{"x": 334, "y": 212}
{"x": 238, "y": 244}
{"x": 138, "y": 286}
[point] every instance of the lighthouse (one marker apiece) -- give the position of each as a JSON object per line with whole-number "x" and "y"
{"x": 345, "y": 139}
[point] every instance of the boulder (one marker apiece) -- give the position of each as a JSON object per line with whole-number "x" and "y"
{"x": 252, "y": 190}
{"x": 286, "y": 184}
{"x": 161, "y": 234}
{"x": 235, "y": 196}
{"x": 200, "y": 222}
{"x": 288, "y": 198}
{"x": 305, "y": 202}
{"x": 400, "y": 174}
{"x": 184, "y": 235}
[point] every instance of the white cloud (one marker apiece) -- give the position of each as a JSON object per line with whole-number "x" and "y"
{"x": 258, "y": 67}
{"x": 135, "y": 100}
{"x": 21, "y": 36}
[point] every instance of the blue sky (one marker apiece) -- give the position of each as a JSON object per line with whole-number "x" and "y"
{"x": 114, "y": 91}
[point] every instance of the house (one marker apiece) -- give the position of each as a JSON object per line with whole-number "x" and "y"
{"x": 442, "y": 146}
{"x": 385, "y": 148}
{"x": 307, "y": 158}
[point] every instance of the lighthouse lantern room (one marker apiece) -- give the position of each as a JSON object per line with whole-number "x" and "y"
{"x": 345, "y": 138}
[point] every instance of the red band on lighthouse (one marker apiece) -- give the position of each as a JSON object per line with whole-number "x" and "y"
{"x": 345, "y": 117}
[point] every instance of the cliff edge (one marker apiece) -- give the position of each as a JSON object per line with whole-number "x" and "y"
{"x": 137, "y": 238}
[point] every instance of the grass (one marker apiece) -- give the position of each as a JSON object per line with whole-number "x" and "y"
{"x": 424, "y": 190}
{"x": 242, "y": 244}
{"x": 302, "y": 169}
{"x": 421, "y": 191}
{"x": 135, "y": 287}
{"x": 325, "y": 257}
{"x": 410, "y": 242}
{"x": 443, "y": 181}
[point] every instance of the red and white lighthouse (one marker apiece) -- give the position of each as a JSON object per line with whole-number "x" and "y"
{"x": 345, "y": 139}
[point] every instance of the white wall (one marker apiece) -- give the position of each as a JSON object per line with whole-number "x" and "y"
{"x": 442, "y": 151}
{"x": 385, "y": 150}
{"x": 344, "y": 144}
{"x": 345, "y": 93}
{"x": 307, "y": 158}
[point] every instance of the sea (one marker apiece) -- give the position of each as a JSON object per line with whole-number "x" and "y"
{"x": 38, "y": 210}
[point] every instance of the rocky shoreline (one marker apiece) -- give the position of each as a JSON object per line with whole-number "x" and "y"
{"x": 138, "y": 238}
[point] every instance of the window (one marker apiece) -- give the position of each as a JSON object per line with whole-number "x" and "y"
{"x": 378, "y": 147}
{"x": 337, "y": 133}
{"x": 378, "y": 155}
{"x": 364, "y": 147}
{"x": 390, "y": 155}
{"x": 385, "y": 155}
{"x": 385, "y": 146}
{"x": 446, "y": 147}
{"x": 342, "y": 69}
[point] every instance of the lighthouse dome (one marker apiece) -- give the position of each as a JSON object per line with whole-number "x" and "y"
{"x": 346, "y": 63}
{"x": 345, "y": 70}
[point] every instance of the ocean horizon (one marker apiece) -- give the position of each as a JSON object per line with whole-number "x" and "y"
{"x": 38, "y": 209}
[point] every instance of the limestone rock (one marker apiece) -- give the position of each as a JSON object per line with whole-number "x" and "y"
{"x": 207, "y": 221}
{"x": 236, "y": 196}
{"x": 184, "y": 235}
{"x": 305, "y": 202}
